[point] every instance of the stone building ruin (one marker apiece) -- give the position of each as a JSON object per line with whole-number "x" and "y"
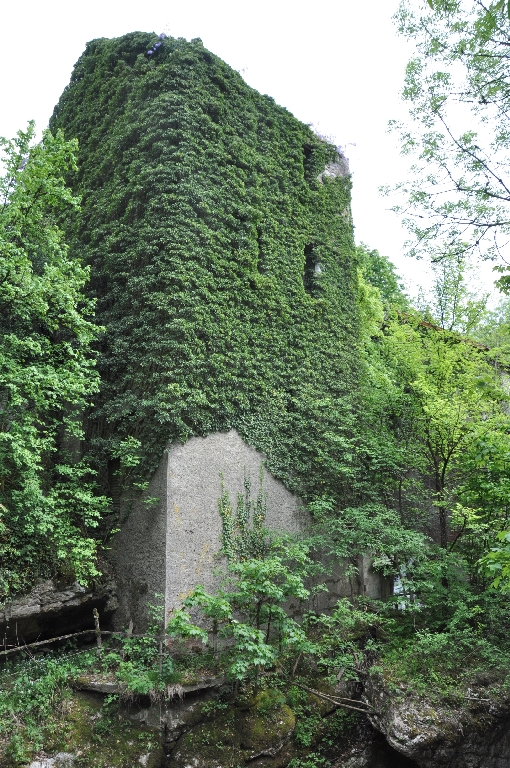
{"x": 218, "y": 233}
{"x": 163, "y": 551}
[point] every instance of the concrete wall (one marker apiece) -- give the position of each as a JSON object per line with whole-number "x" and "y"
{"x": 193, "y": 534}
{"x": 138, "y": 554}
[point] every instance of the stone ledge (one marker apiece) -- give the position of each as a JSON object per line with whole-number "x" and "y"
{"x": 50, "y": 610}
{"x": 95, "y": 684}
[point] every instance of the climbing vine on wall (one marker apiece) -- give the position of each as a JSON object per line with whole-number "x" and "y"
{"x": 243, "y": 534}
{"x": 202, "y": 208}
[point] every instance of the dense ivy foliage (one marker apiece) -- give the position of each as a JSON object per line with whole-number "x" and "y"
{"x": 222, "y": 262}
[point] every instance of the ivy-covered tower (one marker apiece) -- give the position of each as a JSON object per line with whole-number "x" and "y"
{"x": 218, "y": 232}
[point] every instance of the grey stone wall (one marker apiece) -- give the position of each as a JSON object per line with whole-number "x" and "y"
{"x": 139, "y": 553}
{"x": 340, "y": 167}
{"x": 193, "y": 533}
{"x": 170, "y": 547}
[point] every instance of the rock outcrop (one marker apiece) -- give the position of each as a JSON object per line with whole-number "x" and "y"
{"x": 96, "y": 739}
{"x": 53, "y": 609}
{"x": 472, "y": 733}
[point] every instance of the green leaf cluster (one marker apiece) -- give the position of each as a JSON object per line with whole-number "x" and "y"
{"x": 457, "y": 90}
{"x": 48, "y": 504}
{"x": 249, "y": 614}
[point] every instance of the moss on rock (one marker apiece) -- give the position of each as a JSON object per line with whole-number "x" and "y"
{"x": 209, "y": 745}
{"x": 267, "y": 725}
{"x": 96, "y": 737}
{"x": 241, "y": 733}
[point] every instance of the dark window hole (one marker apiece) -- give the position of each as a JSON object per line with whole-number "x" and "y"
{"x": 312, "y": 269}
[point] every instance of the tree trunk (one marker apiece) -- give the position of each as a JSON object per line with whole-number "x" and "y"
{"x": 443, "y": 528}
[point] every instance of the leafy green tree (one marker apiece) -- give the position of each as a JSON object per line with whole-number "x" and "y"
{"x": 47, "y": 503}
{"x": 263, "y": 573}
{"x": 456, "y": 398}
{"x": 494, "y": 332}
{"x": 451, "y": 303}
{"x": 457, "y": 88}
{"x": 431, "y": 399}
{"x": 370, "y": 529}
{"x": 378, "y": 271}
{"x": 497, "y": 561}
{"x": 250, "y": 611}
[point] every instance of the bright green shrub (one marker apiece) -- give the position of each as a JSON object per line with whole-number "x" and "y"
{"x": 48, "y": 503}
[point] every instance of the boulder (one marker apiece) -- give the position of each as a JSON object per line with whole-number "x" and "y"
{"x": 470, "y": 732}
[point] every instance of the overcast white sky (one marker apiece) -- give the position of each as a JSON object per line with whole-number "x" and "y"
{"x": 337, "y": 64}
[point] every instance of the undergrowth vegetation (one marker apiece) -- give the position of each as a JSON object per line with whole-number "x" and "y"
{"x": 38, "y": 695}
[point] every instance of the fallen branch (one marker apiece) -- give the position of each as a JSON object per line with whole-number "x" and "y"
{"x": 101, "y": 632}
{"x": 18, "y": 648}
{"x": 339, "y": 701}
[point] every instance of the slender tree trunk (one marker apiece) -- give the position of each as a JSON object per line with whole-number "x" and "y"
{"x": 443, "y": 531}
{"x": 439, "y": 475}
{"x": 443, "y": 528}
{"x": 268, "y": 626}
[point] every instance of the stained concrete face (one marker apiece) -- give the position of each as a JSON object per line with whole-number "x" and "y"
{"x": 193, "y": 535}
{"x": 350, "y": 578}
{"x": 340, "y": 167}
{"x": 166, "y": 549}
{"x": 139, "y": 554}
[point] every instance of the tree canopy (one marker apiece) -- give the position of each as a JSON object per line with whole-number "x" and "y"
{"x": 458, "y": 91}
{"x": 47, "y": 374}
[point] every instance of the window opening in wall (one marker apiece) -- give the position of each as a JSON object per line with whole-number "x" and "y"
{"x": 313, "y": 269}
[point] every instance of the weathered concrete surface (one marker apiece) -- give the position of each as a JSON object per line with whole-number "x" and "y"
{"x": 107, "y": 684}
{"x": 174, "y": 719}
{"x": 350, "y": 579}
{"x": 51, "y": 610}
{"x": 139, "y": 553}
{"x": 193, "y": 534}
{"x": 339, "y": 168}
{"x": 167, "y": 548}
